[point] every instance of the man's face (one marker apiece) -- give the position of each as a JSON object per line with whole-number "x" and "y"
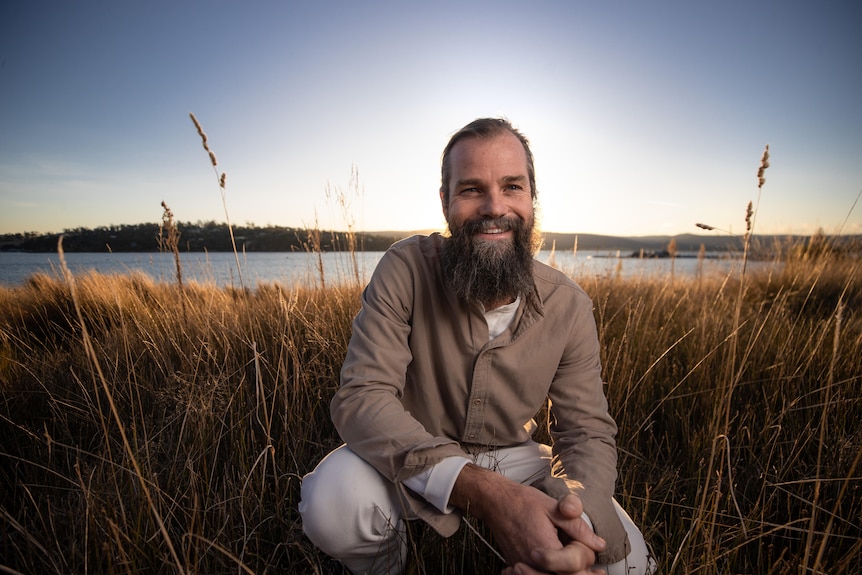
{"x": 489, "y": 181}
{"x": 489, "y": 255}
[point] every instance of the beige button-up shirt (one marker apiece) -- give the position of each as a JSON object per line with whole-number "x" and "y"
{"x": 421, "y": 382}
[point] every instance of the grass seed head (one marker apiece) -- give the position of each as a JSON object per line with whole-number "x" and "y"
{"x": 199, "y": 128}
{"x": 203, "y": 136}
{"x": 764, "y": 163}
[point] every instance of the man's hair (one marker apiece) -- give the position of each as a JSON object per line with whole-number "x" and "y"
{"x": 484, "y": 128}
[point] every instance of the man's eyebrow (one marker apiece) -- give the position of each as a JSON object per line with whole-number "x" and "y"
{"x": 480, "y": 181}
{"x": 468, "y": 182}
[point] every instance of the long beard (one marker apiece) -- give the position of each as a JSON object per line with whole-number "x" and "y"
{"x": 489, "y": 271}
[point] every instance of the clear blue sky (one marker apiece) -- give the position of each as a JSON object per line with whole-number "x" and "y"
{"x": 645, "y": 117}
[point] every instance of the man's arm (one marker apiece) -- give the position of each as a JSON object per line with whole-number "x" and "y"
{"x": 367, "y": 410}
{"x": 527, "y": 524}
{"x": 584, "y": 432}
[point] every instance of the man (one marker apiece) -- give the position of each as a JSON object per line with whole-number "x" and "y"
{"x": 459, "y": 342}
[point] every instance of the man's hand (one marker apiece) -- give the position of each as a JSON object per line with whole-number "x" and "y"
{"x": 535, "y": 532}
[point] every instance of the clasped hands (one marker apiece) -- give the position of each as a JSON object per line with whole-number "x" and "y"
{"x": 535, "y": 532}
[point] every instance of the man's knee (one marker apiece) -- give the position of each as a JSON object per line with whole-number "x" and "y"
{"x": 316, "y": 508}
{"x": 345, "y": 503}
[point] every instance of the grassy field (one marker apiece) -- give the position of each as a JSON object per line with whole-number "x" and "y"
{"x": 164, "y": 428}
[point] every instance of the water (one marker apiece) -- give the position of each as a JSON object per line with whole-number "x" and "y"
{"x": 292, "y": 268}
{"x": 217, "y": 268}
{"x": 587, "y": 264}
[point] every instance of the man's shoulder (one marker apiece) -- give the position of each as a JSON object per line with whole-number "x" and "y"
{"x": 414, "y": 255}
{"x": 552, "y": 276}
{"x": 416, "y": 247}
{"x": 418, "y": 241}
{"x": 552, "y": 282}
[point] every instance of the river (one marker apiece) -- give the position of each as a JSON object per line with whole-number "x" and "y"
{"x": 294, "y": 268}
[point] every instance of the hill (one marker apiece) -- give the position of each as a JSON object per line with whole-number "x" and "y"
{"x": 215, "y": 237}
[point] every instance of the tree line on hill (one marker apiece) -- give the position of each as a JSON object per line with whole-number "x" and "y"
{"x": 196, "y": 237}
{"x": 215, "y": 237}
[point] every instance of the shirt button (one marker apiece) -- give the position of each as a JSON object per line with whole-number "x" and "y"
{"x": 472, "y": 436}
{"x": 477, "y": 401}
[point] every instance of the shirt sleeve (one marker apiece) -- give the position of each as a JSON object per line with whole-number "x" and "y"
{"x": 435, "y": 483}
{"x": 584, "y": 432}
{"x": 367, "y": 409}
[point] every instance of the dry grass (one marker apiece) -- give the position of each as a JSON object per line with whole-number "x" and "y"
{"x": 740, "y": 441}
{"x": 158, "y": 428}
{"x": 223, "y": 397}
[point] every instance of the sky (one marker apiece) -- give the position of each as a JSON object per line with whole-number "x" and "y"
{"x": 644, "y": 117}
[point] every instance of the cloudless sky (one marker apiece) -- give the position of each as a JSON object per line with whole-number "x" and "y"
{"x": 645, "y": 117}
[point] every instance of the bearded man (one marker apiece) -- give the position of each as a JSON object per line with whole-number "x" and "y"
{"x": 459, "y": 342}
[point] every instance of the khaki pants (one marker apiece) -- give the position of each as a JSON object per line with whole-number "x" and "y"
{"x": 351, "y": 512}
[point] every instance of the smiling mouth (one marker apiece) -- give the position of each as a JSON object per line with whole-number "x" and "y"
{"x": 493, "y": 227}
{"x": 494, "y": 235}
{"x": 492, "y": 231}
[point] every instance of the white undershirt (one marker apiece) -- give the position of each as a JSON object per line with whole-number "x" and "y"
{"x": 435, "y": 483}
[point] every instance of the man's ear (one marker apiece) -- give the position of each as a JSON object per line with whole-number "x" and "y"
{"x": 443, "y": 204}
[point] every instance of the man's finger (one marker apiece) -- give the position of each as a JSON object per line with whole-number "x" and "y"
{"x": 573, "y": 558}
{"x": 571, "y": 506}
{"x": 579, "y": 530}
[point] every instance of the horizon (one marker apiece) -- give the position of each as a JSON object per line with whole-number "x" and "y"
{"x": 643, "y": 121}
{"x": 718, "y": 234}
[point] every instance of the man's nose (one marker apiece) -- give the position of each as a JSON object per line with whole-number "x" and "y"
{"x": 494, "y": 204}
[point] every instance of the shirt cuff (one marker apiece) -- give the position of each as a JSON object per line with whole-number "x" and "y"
{"x": 435, "y": 483}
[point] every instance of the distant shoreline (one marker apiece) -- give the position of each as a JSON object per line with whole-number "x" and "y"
{"x": 214, "y": 237}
